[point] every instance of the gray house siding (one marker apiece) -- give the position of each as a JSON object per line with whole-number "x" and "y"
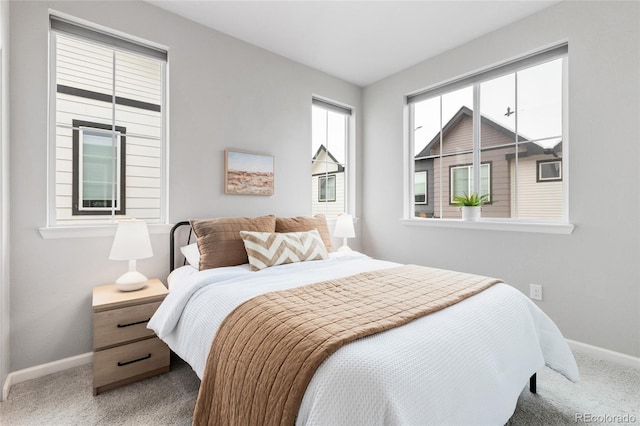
{"x": 426, "y": 210}
{"x": 535, "y": 199}
{"x": 459, "y": 139}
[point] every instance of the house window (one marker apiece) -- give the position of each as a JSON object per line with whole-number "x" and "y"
{"x": 330, "y": 125}
{"x": 107, "y": 115}
{"x": 99, "y": 178}
{"x": 327, "y": 189}
{"x": 549, "y": 170}
{"x": 497, "y": 132}
{"x": 420, "y": 187}
{"x": 462, "y": 181}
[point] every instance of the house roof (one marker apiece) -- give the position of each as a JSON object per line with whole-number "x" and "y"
{"x": 324, "y": 149}
{"x": 467, "y": 112}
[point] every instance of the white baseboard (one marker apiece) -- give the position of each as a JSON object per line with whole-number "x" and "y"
{"x": 605, "y": 354}
{"x": 43, "y": 370}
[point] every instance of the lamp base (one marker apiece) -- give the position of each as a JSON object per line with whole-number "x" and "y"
{"x": 131, "y": 281}
{"x": 344, "y": 247}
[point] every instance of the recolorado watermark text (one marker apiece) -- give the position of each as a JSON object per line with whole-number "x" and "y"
{"x": 605, "y": 418}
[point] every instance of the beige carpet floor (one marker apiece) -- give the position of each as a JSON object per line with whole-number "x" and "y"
{"x": 607, "y": 394}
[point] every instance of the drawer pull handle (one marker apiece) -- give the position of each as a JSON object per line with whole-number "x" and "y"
{"x": 121, "y": 364}
{"x": 133, "y": 323}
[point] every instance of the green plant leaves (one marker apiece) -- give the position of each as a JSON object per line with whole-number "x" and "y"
{"x": 470, "y": 200}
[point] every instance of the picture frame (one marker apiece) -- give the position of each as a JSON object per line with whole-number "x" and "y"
{"x": 248, "y": 173}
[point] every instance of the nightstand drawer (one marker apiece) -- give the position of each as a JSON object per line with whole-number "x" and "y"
{"x": 122, "y": 325}
{"x": 128, "y": 363}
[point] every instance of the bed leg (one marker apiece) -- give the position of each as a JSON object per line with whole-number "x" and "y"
{"x": 532, "y": 383}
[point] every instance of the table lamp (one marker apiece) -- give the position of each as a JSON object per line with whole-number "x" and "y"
{"x": 344, "y": 229}
{"x": 131, "y": 243}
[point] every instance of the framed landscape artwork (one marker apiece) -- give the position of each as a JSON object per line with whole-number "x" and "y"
{"x": 247, "y": 173}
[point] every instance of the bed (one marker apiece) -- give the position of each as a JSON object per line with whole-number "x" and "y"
{"x": 465, "y": 364}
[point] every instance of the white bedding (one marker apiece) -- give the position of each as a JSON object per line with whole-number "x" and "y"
{"x": 465, "y": 364}
{"x": 179, "y": 275}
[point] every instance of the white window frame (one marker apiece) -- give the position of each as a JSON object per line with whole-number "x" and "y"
{"x": 554, "y": 226}
{"x": 118, "y": 41}
{"x": 426, "y": 189}
{"x": 118, "y": 169}
{"x": 350, "y": 150}
{"x": 326, "y": 179}
{"x": 539, "y": 165}
{"x": 470, "y": 188}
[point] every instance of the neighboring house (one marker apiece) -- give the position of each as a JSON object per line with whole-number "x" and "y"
{"x": 327, "y": 184}
{"x": 539, "y": 172}
{"x": 88, "y": 154}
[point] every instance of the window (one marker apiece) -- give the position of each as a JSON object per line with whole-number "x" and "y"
{"x": 327, "y": 190}
{"x": 330, "y": 147}
{"x": 549, "y": 170}
{"x": 97, "y": 167}
{"x": 420, "y": 191}
{"x": 107, "y": 127}
{"x": 462, "y": 181}
{"x": 499, "y": 132}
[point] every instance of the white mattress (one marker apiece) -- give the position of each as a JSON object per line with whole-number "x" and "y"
{"x": 465, "y": 364}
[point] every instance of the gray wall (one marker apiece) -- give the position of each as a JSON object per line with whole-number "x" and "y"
{"x": 223, "y": 94}
{"x": 590, "y": 278}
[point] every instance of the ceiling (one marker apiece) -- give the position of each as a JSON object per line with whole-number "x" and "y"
{"x": 357, "y": 41}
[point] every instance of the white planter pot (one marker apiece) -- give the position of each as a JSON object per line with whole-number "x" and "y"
{"x": 471, "y": 213}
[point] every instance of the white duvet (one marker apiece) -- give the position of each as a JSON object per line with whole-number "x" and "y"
{"x": 465, "y": 364}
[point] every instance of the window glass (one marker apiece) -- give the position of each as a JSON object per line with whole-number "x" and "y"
{"x": 330, "y": 133}
{"x": 540, "y": 102}
{"x": 460, "y": 181}
{"x": 462, "y": 178}
{"x": 426, "y": 150}
{"x": 443, "y": 139}
{"x": 516, "y": 137}
{"x": 109, "y": 133}
{"x": 485, "y": 181}
{"x": 327, "y": 188}
{"x": 100, "y": 158}
{"x": 420, "y": 190}
{"x": 540, "y": 124}
{"x": 549, "y": 170}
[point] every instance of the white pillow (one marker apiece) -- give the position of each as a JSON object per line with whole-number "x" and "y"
{"x": 192, "y": 254}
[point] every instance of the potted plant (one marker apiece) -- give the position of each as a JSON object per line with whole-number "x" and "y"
{"x": 470, "y": 205}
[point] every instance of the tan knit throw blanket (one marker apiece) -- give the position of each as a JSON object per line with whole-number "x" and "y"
{"x": 268, "y": 348}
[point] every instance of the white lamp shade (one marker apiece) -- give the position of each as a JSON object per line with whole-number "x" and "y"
{"x": 131, "y": 241}
{"x": 344, "y": 227}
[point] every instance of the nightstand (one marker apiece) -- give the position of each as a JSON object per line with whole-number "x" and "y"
{"x": 124, "y": 350}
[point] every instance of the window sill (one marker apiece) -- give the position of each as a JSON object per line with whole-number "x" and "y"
{"x": 59, "y": 232}
{"x": 495, "y": 225}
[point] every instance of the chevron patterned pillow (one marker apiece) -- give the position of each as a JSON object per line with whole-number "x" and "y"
{"x": 266, "y": 249}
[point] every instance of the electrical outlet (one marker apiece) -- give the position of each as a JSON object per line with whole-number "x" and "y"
{"x": 535, "y": 291}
